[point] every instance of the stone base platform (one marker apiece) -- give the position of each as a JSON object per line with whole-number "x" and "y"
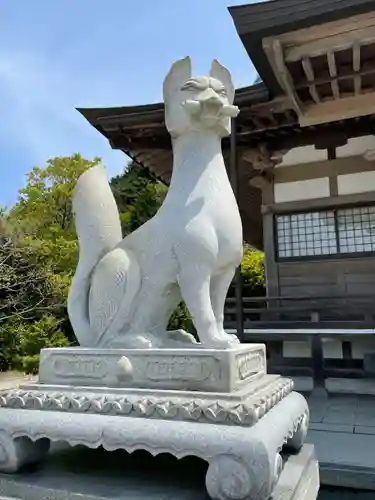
{"x": 193, "y": 368}
{"x": 243, "y": 407}
{"x": 244, "y": 461}
{"x": 82, "y": 474}
{"x": 220, "y": 406}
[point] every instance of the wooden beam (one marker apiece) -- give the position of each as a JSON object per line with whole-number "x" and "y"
{"x": 258, "y": 123}
{"x": 332, "y": 140}
{"x": 325, "y": 168}
{"x": 234, "y": 178}
{"x": 256, "y": 159}
{"x": 308, "y": 136}
{"x": 345, "y": 108}
{"x": 277, "y": 105}
{"x": 122, "y": 141}
{"x": 259, "y": 181}
{"x": 261, "y": 157}
{"x": 132, "y": 121}
{"x": 320, "y": 47}
{"x": 293, "y": 136}
{"x": 333, "y": 74}
{"x": 271, "y": 269}
{"x": 309, "y": 72}
{"x": 276, "y": 58}
{"x": 357, "y": 67}
{"x": 287, "y": 124}
{"x": 320, "y": 203}
{"x": 346, "y": 73}
{"x": 271, "y": 119}
{"x": 332, "y": 28}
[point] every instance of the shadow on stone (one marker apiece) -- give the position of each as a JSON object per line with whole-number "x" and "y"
{"x": 78, "y": 470}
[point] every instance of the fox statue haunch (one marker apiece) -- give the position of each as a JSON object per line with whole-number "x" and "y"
{"x": 125, "y": 290}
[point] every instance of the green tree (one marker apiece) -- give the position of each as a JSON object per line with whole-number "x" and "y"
{"x": 38, "y": 256}
{"x": 44, "y": 211}
{"x": 252, "y": 271}
{"x": 45, "y": 203}
{"x": 138, "y": 195}
{"x": 29, "y": 292}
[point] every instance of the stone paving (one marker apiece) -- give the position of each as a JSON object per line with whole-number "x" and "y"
{"x": 342, "y": 429}
{"x": 350, "y": 413}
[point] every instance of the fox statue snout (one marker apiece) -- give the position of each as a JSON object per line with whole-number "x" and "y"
{"x": 125, "y": 290}
{"x": 209, "y": 107}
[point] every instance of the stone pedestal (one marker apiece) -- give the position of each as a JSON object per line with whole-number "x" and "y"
{"x": 195, "y": 369}
{"x": 218, "y": 405}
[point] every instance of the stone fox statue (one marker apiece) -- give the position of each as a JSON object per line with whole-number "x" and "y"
{"x": 125, "y": 290}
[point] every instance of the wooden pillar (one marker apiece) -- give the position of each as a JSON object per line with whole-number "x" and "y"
{"x": 269, "y": 239}
{"x": 234, "y": 182}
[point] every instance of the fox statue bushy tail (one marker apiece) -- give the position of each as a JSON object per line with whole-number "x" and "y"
{"x": 99, "y": 232}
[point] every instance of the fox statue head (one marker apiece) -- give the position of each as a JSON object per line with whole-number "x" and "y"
{"x": 198, "y": 103}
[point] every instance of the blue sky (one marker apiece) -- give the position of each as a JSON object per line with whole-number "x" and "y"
{"x": 61, "y": 54}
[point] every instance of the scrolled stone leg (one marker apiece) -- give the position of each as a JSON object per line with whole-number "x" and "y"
{"x": 278, "y": 468}
{"x": 229, "y": 478}
{"x": 17, "y": 452}
{"x": 296, "y": 441}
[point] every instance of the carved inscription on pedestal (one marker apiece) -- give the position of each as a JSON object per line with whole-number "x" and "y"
{"x": 181, "y": 368}
{"x": 80, "y": 366}
{"x": 250, "y": 364}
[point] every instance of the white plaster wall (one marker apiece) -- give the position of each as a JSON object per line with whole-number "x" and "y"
{"x": 301, "y": 190}
{"x": 302, "y": 349}
{"x": 356, "y": 146}
{"x": 304, "y": 154}
{"x": 297, "y": 349}
{"x": 309, "y": 154}
{"x": 332, "y": 349}
{"x": 360, "y": 182}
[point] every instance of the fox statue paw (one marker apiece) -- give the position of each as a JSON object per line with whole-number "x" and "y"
{"x": 225, "y": 341}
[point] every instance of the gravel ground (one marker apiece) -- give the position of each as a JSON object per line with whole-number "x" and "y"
{"x": 9, "y": 380}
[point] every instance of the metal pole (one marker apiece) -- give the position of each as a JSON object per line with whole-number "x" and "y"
{"x": 234, "y": 182}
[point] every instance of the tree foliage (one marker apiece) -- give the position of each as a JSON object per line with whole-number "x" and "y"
{"x": 45, "y": 203}
{"x": 138, "y": 195}
{"x": 38, "y": 255}
{"x": 252, "y": 270}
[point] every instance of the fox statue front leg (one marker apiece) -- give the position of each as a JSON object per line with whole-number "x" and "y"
{"x": 219, "y": 286}
{"x": 195, "y": 287}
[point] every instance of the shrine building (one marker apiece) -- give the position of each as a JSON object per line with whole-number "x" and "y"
{"x": 302, "y": 160}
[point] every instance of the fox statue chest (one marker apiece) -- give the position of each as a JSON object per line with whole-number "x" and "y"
{"x": 202, "y": 203}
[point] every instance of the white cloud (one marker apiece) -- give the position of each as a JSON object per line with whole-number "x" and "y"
{"x": 38, "y": 109}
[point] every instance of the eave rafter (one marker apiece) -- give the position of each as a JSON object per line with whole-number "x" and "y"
{"x": 327, "y": 71}
{"x": 264, "y": 119}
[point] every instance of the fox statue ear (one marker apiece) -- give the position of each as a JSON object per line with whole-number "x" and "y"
{"x": 179, "y": 73}
{"x": 219, "y": 72}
